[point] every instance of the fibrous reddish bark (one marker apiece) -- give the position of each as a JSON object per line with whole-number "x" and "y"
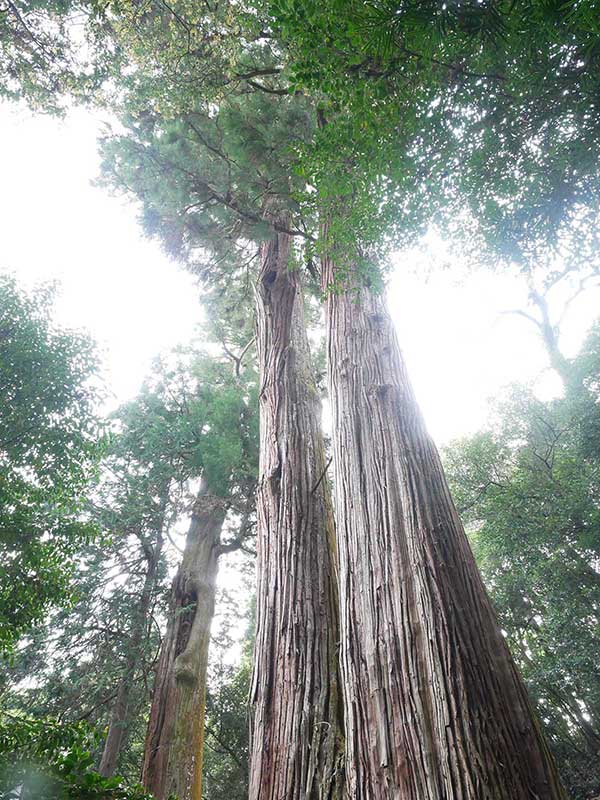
{"x": 175, "y": 737}
{"x": 296, "y": 744}
{"x": 434, "y": 707}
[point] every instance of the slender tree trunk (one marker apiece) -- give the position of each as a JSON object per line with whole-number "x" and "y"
{"x": 174, "y": 742}
{"x": 117, "y": 725}
{"x": 434, "y": 706}
{"x": 120, "y": 716}
{"x": 549, "y": 334}
{"x": 296, "y": 742}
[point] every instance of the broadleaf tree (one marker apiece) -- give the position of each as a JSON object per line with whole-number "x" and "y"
{"x": 50, "y": 442}
{"x": 526, "y": 488}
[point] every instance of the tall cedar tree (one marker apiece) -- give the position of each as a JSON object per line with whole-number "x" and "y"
{"x": 424, "y": 663}
{"x": 453, "y": 758}
{"x": 528, "y": 183}
{"x": 218, "y": 188}
{"x": 434, "y": 705}
{"x": 296, "y": 737}
{"x": 311, "y": 761}
{"x": 417, "y": 527}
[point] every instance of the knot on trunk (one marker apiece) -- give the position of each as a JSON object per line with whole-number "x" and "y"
{"x": 377, "y": 319}
{"x": 185, "y": 670}
{"x": 274, "y": 478}
{"x": 381, "y": 389}
{"x": 208, "y": 504}
{"x": 270, "y": 278}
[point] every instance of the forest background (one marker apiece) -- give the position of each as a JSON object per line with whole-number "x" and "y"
{"x": 525, "y": 408}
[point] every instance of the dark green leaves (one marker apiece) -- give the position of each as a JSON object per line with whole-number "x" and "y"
{"x": 528, "y": 491}
{"x": 49, "y": 445}
{"x": 52, "y": 761}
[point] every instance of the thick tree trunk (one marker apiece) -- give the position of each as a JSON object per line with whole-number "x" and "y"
{"x": 434, "y": 706}
{"x": 175, "y": 738}
{"x": 120, "y": 716}
{"x": 296, "y": 743}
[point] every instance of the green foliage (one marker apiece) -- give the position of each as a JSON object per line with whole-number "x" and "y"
{"x": 226, "y": 736}
{"x": 527, "y": 490}
{"x": 203, "y": 416}
{"x": 217, "y": 151}
{"x": 194, "y": 417}
{"x": 208, "y": 178}
{"x": 72, "y": 666}
{"x": 52, "y": 761}
{"x": 53, "y": 49}
{"x": 378, "y": 119}
{"x": 482, "y": 116}
{"x": 226, "y": 741}
{"x": 49, "y": 446}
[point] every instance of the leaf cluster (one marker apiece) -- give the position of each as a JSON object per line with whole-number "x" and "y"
{"x": 50, "y": 438}
{"x": 42, "y": 758}
{"x": 52, "y": 50}
{"x": 528, "y": 491}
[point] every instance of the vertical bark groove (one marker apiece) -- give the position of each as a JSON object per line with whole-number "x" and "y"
{"x": 434, "y": 706}
{"x": 296, "y": 745}
{"x": 175, "y": 737}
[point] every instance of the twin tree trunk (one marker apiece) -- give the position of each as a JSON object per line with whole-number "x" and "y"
{"x": 434, "y": 707}
{"x": 175, "y": 738}
{"x": 296, "y": 726}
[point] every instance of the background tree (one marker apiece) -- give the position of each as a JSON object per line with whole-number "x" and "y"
{"x": 195, "y": 417}
{"x": 137, "y": 497}
{"x": 49, "y": 445}
{"x": 120, "y": 581}
{"x": 526, "y": 488}
{"x": 71, "y": 667}
{"x": 220, "y": 399}
{"x": 52, "y": 51}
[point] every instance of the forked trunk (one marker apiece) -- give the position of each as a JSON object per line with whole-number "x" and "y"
{"x": 434, "y": 706}
{"x": 175, "y": 737}
{"x": 296, "y": 744}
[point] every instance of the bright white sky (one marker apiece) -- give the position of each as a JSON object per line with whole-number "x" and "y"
{"x": 136, "y": 303}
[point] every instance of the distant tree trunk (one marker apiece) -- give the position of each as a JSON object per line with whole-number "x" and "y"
{"x": 296, "y": 742}
{"x": 175, "y": 738}
{"x": 549, "y": 334}
{"x": 120, "y": 716}
{"x": 434, "y": 706}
